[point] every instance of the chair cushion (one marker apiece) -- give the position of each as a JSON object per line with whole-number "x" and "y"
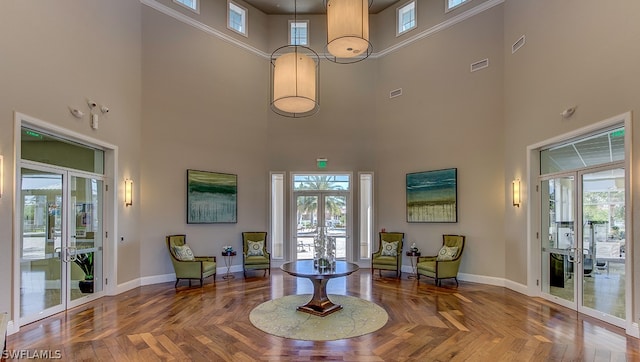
{"x": 427, "y": 266}
{"x": 389, "y": 248}
{"x": 208, "y": 266}
{"x": 183, "y": 252}
{"x": 254, "y": 248}
{"x": 256, "y": 260}
{"x": 385, "y": 260}
{"x": 447, "y": 253}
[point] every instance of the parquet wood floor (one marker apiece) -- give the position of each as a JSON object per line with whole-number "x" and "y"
{"x": 472, "y": 322}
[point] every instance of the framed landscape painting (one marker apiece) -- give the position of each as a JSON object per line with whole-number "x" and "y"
{"x": 212, "y": 197}
{"x": 432, "y": 196}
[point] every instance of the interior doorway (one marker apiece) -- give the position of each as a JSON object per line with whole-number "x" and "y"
{"x": 583, "y": 224}
{"x": 61, "y": 254}
{"x": 64, "y": 206}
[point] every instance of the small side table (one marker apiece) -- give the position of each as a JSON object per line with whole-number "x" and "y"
{"x": 228, "y": 259}
{"x": 414, "y": 261}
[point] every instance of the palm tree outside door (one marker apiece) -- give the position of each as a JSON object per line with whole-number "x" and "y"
{"x": 321, "y": 200}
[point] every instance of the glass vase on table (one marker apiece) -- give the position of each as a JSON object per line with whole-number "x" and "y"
{"x": 325, "y": 249}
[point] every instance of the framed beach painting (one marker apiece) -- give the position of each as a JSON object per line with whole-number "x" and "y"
{"x": 212, "y": 197}
{"x": 432, "y": 196}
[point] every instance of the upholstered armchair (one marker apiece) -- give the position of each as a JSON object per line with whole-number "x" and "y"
{"x": 444, "y": 265}
{"x": 254, "y": 252}
{"x": 389, "y": 254}
{"x": 186, "y": 265}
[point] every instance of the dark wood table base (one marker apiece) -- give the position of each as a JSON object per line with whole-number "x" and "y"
{"x": 320, "y": 304}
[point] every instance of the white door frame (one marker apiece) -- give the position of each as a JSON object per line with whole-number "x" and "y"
{"x": 293, "y": 209}
{"x": 110, "y": 219}
{"x": 533, "y": 210}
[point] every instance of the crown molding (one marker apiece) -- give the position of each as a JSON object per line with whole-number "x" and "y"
{"x": 439, "y": 27}
{"x": 203, "y": 27}
{"x": 154, "y": 4}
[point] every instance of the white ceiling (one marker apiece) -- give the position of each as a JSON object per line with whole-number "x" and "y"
{"x": 308, "y": 6}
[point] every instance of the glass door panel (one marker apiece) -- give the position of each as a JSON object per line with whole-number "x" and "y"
{"x": 86, "y": 239}
{"x": 307, "y": 223}
{"x": 335, "y": 219}
{"x": 558, "y": 249}
{"x": 61, "y": 241}
{"x": 41, "y": 267}
{"x": 603, "y": 241}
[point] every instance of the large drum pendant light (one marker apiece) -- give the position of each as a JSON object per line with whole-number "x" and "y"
{"x": 294, "y": 80}
{"x": 348, "y": 30}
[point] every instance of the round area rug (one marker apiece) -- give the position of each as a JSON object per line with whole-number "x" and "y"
{"x": 356, "y": 318}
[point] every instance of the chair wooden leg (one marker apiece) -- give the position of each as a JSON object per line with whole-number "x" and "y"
{"x": 176, "y": 285}
{"x": 456, "y": 278}
{"x": 189, "y": 283}
{"x": 201, "y": 282}
{"x": 265, "y": 273}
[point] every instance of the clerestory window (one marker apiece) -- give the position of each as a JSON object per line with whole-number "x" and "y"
{"x": 192, "y": 5}
{"x": 406, "y": 18}
{"x": 237, "y": 18}
{"x": 452, "y": 4}
{"x": 299, "y": 32}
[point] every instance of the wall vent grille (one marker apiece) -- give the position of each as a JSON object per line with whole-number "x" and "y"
{"x": 517, "y": 45}
{"x": 395, "y": 93}
{"x": 480, "y": 65}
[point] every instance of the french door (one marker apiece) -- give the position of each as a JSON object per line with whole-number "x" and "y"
{"x": 583, "y": 241}
{"x": 61, "y": 244}
{"x": 320, "y": 209}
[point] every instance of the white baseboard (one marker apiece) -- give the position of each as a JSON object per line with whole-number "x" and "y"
{"x": 165, "y": 278}
{"x": 157, "y": 279}
{"x": 12, "y": 328}
{"x": 126, "y": 286}
{"x": 482, "y": 279}
{"x": 517, "y": 287}
{"x": 634, "y": 331}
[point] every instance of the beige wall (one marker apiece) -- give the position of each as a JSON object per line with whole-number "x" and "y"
{"x": 447, "y": 117}
{"x": 205, "y": 105}
{"x": 193, "y": 117}
{"x": 575, "y": 54}
{"x": 55, "y": 55}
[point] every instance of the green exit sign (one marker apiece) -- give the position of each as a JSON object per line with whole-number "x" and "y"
{"x": 618, "y": 133}
{"x": 321, "y": 162}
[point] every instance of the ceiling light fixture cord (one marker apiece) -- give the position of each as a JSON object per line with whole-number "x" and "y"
{"x": 294, "y": 77}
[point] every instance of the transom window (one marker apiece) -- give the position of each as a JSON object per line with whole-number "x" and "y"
{"x": 406, "y": 17}
{"x": 299, "y": 32}
{"x": 237, "y": 18}
{"x": 192, "y": 5}
{"x": 335, "y": 182}
{"x": 452, "y": 4}
{"x": 597, "y": 149}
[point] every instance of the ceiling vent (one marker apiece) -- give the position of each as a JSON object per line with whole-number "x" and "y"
{"x": 395, "y": 93}
{"x": 480, "y": 65}
{"x": 517, "y": 45}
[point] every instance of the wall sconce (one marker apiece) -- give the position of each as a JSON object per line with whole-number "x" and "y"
{"x": 516, "y": 192}
{"x": 128, "y": 192}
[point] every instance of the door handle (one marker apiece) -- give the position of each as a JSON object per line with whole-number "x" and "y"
{"x": 72, "y": 253}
